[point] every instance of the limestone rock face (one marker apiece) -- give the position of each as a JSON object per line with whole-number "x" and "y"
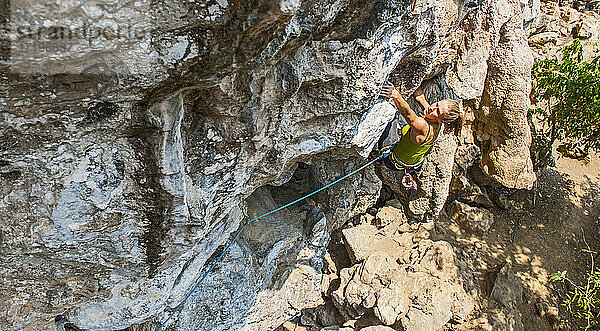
{"x": 274, "y": 261}
{"x": 508, "y": 85}
{"x": 497, "y": 65}
{"x": 488, "y": 59}
{"x": 127, "y": 148}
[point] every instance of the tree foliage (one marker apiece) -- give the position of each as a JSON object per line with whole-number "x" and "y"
{"x": 582, "y": 302}
{"x": 571, "y": 87}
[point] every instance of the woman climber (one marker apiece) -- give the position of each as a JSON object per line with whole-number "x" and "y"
{"x": 407, "y": 139}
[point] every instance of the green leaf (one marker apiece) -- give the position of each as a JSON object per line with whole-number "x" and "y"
{"x": 572, "y": 86}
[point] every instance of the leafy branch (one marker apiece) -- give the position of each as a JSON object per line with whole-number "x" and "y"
{"x": 583, "y": 302}
{"x": 571, "y": 87}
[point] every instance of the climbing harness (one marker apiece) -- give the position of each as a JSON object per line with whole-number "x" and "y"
{"x": 248, "y": 222}
{"x": 408, "y": 182}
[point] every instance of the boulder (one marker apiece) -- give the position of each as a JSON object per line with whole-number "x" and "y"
{"x": 328, "y": 315}
{"x": 362, "y": 240}
{"x": 508, "y": 288}
{"x": 468, "y": 157}
{"x": 387, "y": 215}
{"x": 507, "y": 293}
{"x": 418, "y": 286}
{"x": 465, "y": 190}
{"x": 473, "y": 219}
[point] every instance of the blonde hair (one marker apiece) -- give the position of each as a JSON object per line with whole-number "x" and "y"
{"x": 455, "y": 117}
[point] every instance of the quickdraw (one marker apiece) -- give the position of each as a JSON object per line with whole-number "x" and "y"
{"x": 244, "y": 210}
{"x": 408, "y": 182}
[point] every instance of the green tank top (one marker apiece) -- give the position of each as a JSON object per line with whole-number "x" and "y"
{"x": 410, "y": 154}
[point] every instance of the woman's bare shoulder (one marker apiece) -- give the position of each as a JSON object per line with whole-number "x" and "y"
{"x": 420, "y": 129}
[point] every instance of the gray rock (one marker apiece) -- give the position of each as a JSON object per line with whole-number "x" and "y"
{"x": 507, "y": 292}
{"x": 253, "y": 282}
{"x": 466, "y": 156}
{"x": 328, "y": 315}
{"x": 508, "y": 288}
{"x": 474, "y": 219}
{"x": 467, "y": 191}
{"x": 372, "y": 125}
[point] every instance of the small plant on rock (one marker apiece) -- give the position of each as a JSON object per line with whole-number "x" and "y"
{"x": 571, "y": 88}
{"x": 582, "y": 301}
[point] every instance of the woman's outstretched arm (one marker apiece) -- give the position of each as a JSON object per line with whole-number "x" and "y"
{"x": 418, "y": 124}
{"x": 420, "y": 97}
{"x": 389, "y": 91}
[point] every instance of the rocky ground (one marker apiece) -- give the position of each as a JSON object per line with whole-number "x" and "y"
{"x": 384, "y": 273}
{"x": 536, "y": 233}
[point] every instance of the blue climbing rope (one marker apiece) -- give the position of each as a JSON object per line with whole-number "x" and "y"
{"x": 248, "y": 222}
{"x": 442, "y": 87}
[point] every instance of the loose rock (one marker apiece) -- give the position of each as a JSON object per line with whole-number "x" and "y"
{"x": 473, "y": 219}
